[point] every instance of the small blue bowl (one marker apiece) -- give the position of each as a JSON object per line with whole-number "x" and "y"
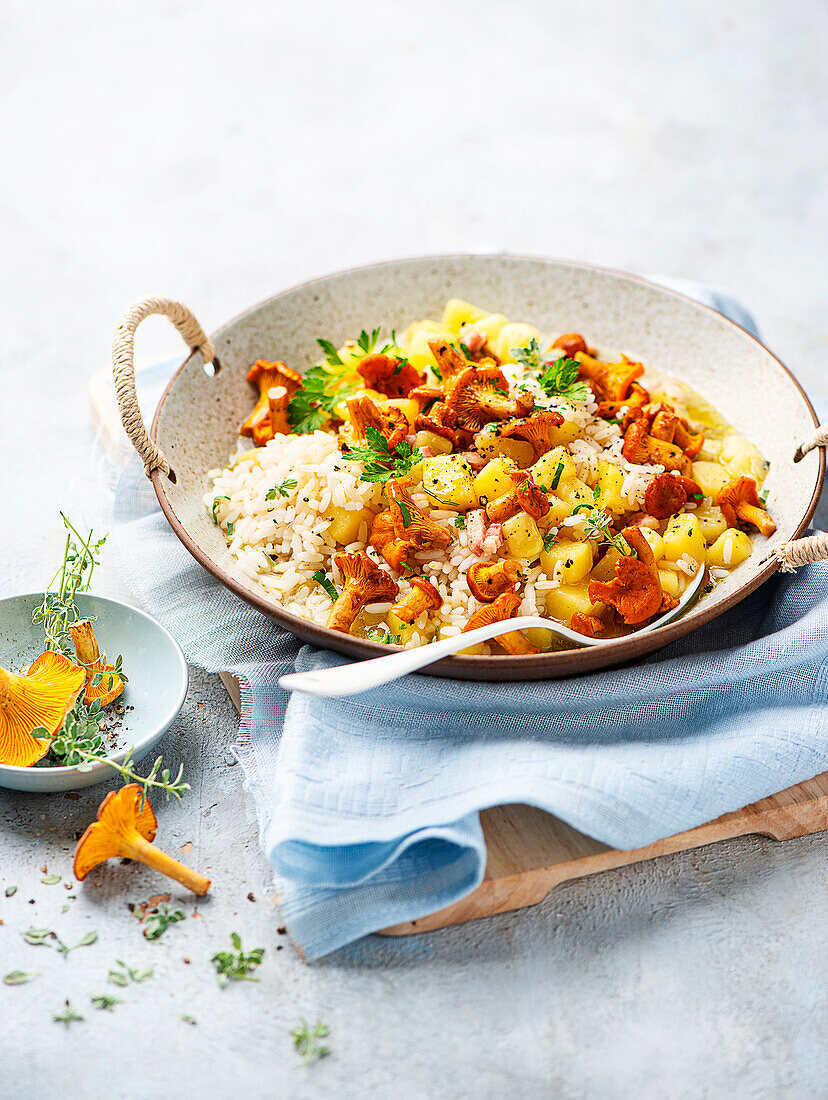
{"x": 155, "y": 694}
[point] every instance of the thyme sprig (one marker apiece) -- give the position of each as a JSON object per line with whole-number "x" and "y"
{"x": 597, "y": 526}
{"x": 80, "y": 556}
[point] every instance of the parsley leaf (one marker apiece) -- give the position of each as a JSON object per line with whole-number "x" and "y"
{"x": 331, "y": 354}
{"x": 557, "y": 377}
{"x": 236, "y": 966}
{"x": 284, "y": 490}
{"x": 460, "y": 522}
{"x": 381, "y": 464}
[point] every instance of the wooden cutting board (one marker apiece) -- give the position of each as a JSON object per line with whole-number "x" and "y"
{"x": 530, "y": 852}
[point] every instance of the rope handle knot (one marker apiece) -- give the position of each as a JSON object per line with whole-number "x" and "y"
{"x": 123, "y": 370}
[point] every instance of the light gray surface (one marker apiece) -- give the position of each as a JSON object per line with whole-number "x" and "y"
{"x": 220, "y": 154}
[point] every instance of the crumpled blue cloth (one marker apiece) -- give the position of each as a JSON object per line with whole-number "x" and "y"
{"x": 368, "y": 806}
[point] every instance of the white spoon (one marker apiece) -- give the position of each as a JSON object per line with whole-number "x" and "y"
{"x": 359, "y": 676}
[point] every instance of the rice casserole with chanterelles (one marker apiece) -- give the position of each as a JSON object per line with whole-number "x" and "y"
{"x": 411, "y": 486}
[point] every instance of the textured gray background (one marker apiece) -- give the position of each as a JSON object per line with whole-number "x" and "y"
{"x": 222, "y": 152}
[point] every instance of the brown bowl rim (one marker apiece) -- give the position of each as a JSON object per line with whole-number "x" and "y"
{"x": 555, "y": 665}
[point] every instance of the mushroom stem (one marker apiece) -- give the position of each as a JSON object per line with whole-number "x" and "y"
{"x": 347, "y": 607}
{"x": 138, "y": 848}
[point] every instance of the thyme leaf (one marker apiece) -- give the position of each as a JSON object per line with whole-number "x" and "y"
{"x": 306, "y": 1040}
{"x": 235, "y": 965}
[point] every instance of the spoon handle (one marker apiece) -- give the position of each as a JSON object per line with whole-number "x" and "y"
{"x": 360, "y": 676}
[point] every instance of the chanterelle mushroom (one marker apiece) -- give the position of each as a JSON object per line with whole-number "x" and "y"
{"x": 504, "y": 607}
{"x": 481, "y": 394}
{"x": 526, "y": 496}
{"x": 111, "y": 685}
{"x": 40, "y": 699}
{"x": 667, "y": 494}
{"x": 278, "y": 400}
{"x": 640, "y": 447}
{"x": 383, "y": 538}
{"x": 635, "y": 400}
{"x": 450, "y": 361}
{"x": 422, "y": 597}
{"x": 125, "y": 829}
{"x": 636, "y": 590}
{"x": 537, "y": 430}
{"x": 609, "y": 381}
{"x": 487, "y": 581}
{"x": 570, "y": 343}
{"x": 411, "y": 523}
{"x": 391, "y": 375}
{"x": 439, "y": 419}
{"x": 267, "y": 375}
{"x": 364, "y": 583}
{"x": 739, "y": 500}
{"x": 390, "y": 422}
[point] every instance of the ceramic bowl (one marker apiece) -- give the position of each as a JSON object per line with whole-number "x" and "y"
{"x": 155, "y": 694}
{"x": 196, "y": 424}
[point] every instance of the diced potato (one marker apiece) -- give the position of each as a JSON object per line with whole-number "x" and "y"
{"x": 490, "y": 444}
{"x": 397, "y": 626}
{"x": 710, "y": 477}
{"x": 493, "y": 481}
{"x": 742, "y": 459}
{"x": 569, "y": 563}
{"x": 730, "y": 549}
{"x": 711, "y": 521}
{"x": 351, "y": 354}
{"x": 491, "y": 325}
{"x": 344, "y": 526}
{"x": 436, "y": 442}
{"x": 418, "y": 352}
{"x": 605, "y": 569}
{"x": 458, "y": 313}
{"x": 684, "y": 536}
{"x": 563, "y": 602}
{"x": 559, "y": 510}
{"x": 670, "y": 582}
{"x": 576, "y": 492}
{"x": 448, "y": 480}
{"x": 469, "y": 651}
{"x": 540, "y": 637}
{"x": 564, "y": 433}
{"x": 609, "y": 485}
{"x": 523, "y": 539}
{"x": 341, "y": 407}
{"x": 408, "y": 406}
{"x": 513, "y": 335}
{"x": 545, "y": 470}
{"x": 655, "y": 540}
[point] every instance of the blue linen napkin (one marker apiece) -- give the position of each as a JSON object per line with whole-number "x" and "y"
{"x": 368, "y": 806}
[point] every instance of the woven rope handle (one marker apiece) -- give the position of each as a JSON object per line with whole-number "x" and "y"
{"x": 791, "y": 555}
{"x": 123, "y": 368}
{"x": 818, "y": 439}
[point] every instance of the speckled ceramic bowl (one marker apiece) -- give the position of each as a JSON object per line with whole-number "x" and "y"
{"x": 155, "y": 694}
{"x": 197, "y": 420}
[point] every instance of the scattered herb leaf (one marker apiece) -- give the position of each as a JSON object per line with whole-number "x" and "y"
{"x": 216, "y": 502}
{"x": 128, "y": 974}
{"x": 283, "y": 490}
{"x": 68, "y": 1016}
{"x": 556, "y": 477}
{"x": 50, "y": 880}
{"x": 188, "y": 1019}
{"x": 460, "y": 522}
{"x": 156, "y": 924}
{"x": 103, "y": 1002}
{"x": 11, "y": 891}
{"x": 306, "y": 1040}
{"x": 321, "y": 578}
{"x": 236, "y": 966}
{"x": 18, "y": 977}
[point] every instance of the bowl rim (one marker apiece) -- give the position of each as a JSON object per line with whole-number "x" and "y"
{"x": 120, "y": 755}
{"x": 553, "y": 665}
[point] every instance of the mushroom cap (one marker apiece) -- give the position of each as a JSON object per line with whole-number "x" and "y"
{"x": 664, "y": 496}
{"x": 383, "y": 538}
{"x": 589, "y": 625}
{"x": 411, "y": 524}
{"x": 526, "y": 496}
{"x": 504, "y": 607}
{"x": 390, "y": 374}
{"x": 451, "y": 362}
{"x": 609, "y": 381}
{"x": 739, "y": 500}
{"x": 120, "y": 817}
{"x": 390, "y": 422}
{"x": 635, "y": 400}
{"x": 488, "y": 580}
{"x": 439, "y": 419}
{"x": 536, "y": 430}
{"x": 363, "y": 575}
{"x": 267, "y": 375}
{"x": 89, "y": 655}
{"x": 571, "y": 343}
{"x": 481, "y": 394}
{"x": 425, "y": 395}
{"x": 635, "y": 591}
{"x": 427, "y": 591}
{"x": 42, "y": 697}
